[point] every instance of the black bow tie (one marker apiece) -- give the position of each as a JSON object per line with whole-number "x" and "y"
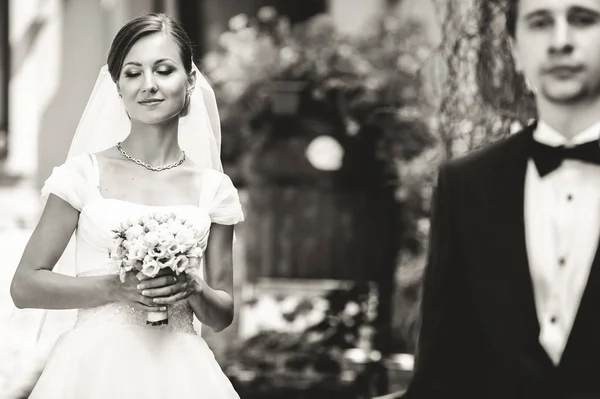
{"x": 548, "y": 158}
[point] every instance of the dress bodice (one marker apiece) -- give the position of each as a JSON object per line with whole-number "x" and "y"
{"x": 93, "y": 238}
{"x": 77, "y": 182}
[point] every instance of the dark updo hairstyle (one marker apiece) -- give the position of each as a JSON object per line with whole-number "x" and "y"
{"x": 146, "y": 25}
{"x": 512, "y": 13}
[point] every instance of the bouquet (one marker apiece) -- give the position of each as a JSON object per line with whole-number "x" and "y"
{"x": 155, "y": 242}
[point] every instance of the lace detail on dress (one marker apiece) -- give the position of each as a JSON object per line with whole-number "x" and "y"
{"x": 181, "y": 317}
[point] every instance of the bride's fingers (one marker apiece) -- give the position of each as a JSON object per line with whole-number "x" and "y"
{"x": 157, "y": 282}
{"x": 165, "y": 291}
{"x": 170, "y": 300}
{"x": 146, "y": 302}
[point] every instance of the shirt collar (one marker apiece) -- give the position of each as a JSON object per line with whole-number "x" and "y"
{"x": 546, "y": 134}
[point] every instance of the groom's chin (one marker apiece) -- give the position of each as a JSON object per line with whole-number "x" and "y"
{"x": 564, "y": 92}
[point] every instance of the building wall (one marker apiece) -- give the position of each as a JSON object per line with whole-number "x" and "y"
{"x": 57, "y": 48}
{"x": 35, "y": 29}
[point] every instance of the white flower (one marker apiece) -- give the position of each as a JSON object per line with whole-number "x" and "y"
{"x": 168, "y": 260}
{"x": 173, "y": 226}
{"x": 138, "y": 252}
{"x": 128, "y": 262}
{"x": 195, "y": 252}
{"x": 158, "y": 251}
{"x": 150, "y": 268}
{"x": 181, "y": 263}
{"x": 125, "y": 225}
{"x": 351, "y": 309}
{"x": 288, "y": 55}
{"x": 227, "y": 40}
{"x": 151, "y": 225}
{"x": 117, "y": 250}
{"x": 151, "y": 238}
{"x": 165, "y": 238}
{"x": 212, "y": 60}
{"x": 134, "y": 232}
{"x": 238, "y": 22}
{"x": 126, "y": 244}
{"x": 186, "y": 237}
{"x": 163, "y": 218}
{"x": 248, "y": 34}
{"x": 267, "y": 13}
{"x": 145, "y": 219}
{"x": 175, "y": 249}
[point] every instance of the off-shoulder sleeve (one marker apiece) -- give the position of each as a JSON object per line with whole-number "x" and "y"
{"x": 225, "y": 207}
{"x": 70, "y": 182}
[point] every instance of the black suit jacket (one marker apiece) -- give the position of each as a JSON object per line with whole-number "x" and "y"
{"x": 479, "y": 334}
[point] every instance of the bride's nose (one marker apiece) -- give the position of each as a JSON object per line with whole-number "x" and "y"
{"x": 149, "y": 84}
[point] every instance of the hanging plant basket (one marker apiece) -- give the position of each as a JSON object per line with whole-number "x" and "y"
{"x": 285, "y": 98}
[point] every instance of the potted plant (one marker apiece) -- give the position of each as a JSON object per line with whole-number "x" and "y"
{"x": 357, "y": 85}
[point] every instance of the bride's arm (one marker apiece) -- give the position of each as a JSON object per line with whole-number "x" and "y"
{"x": 35, "y": 285}
{"x": 213, "y": 302}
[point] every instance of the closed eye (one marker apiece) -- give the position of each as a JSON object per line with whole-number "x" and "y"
{"x": 583, "y": 20}
{"x": 540, "y": 22}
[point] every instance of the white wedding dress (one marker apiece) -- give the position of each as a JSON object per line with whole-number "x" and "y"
{"x": 111, "y": 353}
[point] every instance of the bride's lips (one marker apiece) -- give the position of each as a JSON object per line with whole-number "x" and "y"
{"x": 152, "y": 101}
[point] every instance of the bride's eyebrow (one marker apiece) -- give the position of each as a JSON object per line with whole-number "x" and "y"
{"x": 161, "y": 60}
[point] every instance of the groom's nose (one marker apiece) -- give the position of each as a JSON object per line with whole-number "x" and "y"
{"x": 561, "y": 41}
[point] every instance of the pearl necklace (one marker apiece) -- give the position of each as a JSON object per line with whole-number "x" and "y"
{"x": 148, "y": 166}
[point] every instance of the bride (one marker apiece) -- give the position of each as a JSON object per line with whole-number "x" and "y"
{"x": 148, "y": 143}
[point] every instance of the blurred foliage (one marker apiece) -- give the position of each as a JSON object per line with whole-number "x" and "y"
{"x": 481, "y": 100}
{"x": 316, "y": 350}
{"x": 369, "y": 84}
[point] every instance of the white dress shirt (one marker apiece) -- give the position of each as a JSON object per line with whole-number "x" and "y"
{"x": 562, "y": 228}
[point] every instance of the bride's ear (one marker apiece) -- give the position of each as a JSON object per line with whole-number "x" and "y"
{"x": 188, "y": 94}
{"x": 191, "y": 82}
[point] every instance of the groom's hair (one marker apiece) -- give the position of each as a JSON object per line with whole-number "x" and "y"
{"x": 142, "y": 26}
{"x": 512, "y": 13}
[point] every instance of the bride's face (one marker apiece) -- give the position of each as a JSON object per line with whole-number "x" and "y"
{"x": 153, "y": 81}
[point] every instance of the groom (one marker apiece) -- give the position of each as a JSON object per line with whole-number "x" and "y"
{"x": 511, "y": 300}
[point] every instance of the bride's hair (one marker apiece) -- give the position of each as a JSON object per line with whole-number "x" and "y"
{"x": 146, "y": 25}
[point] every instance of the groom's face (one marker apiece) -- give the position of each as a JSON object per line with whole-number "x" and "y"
{"x": 557, "y": 47}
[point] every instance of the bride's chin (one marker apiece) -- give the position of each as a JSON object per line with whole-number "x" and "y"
{"x": 156, "y": 118}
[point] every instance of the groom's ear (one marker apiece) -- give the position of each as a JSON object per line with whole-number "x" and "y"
{"x": 515, "y": 55}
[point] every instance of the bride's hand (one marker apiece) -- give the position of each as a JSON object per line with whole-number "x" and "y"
{"x": 167, "y": 288}
{"x": 129, "y": 293}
